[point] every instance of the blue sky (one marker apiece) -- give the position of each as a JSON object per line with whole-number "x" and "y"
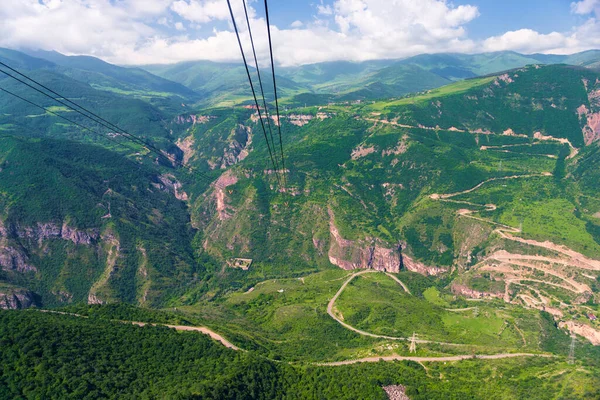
{"x": 543, "y": 16}
{"x": 496, "y": 16}
{"x": 304, "y": 31}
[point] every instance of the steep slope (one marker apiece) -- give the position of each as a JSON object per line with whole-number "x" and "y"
{"x": 102, "y": 75}
{"x": 482, "y": 177}
{"x": 134, "y": 115}
{"x": 79, "y": 223}
{"x": 222, "y": 83}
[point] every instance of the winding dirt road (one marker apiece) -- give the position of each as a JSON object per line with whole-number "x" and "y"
{"x": 202, "y": 329}
{"x": 436, "y": 359}
{"x": 330, "y": 311}
{"x": 214, "y": 335}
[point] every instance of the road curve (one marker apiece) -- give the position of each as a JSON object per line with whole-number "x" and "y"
{"x": 409, "y": 358}
{"x": 364, "y": 333}
{"x": 202, "y": 329}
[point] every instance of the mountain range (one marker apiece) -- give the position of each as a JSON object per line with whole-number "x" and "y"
{"x": 451, "y": 199}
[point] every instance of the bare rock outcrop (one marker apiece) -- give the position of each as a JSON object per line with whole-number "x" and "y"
{"x": 12, "y": 259}
{"x": 465, "y": 291}
{"x": 350, "y": 255}
{"x": 591, "y": 131}
{"x": 362, "y": 151}
{"x": 225, "y": 180}
{"x": 187, "y": 148}
{"x": 169, "y": 183}
{"x": 237, "y": 150}
{"x": 16, "y": 299}
{"x": 192, "y": 119}
{"x": 49, "y": 230}
{"x": 415, "y": 266}
{"x": 370, "y": 253}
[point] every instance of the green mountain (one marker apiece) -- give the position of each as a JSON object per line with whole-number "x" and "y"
{"x": 226, "y": 84}
{"x": 104, "y": 76}
{"x": 223, "y": 83}
{"x": 138, "y": 111}
{"x": 488, "y": 183}
{"x": 455, "y": 223}
{"x": 80, "y": 223}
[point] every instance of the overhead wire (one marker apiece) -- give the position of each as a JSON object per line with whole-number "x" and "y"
{"x": 275, "y": 92}
{"x": 237, "y": 33}
{"x": 94, "y": 117}
{"x": 262, "y": 91}
{"x": 63, "y": 117}
{"x": 97, "y": 119}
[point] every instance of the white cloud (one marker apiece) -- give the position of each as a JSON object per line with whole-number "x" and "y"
{"x": 94, "y": 27}
{"x": 201, "y": 11}
{"x": 581, "y": 38}
{"x": 324, "y": 10}
{"x": 145, "y": 31}
{"x": 526, "y": 41}
{"x": 586, "y": 7}
{"x": 147, "y": 7}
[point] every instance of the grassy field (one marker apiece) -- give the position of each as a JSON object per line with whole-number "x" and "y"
{"x": 376, "y": 304}
{"x": 286, "y": 319}
{"x": 455, "y": 88}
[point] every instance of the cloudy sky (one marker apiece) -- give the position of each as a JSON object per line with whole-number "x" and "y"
{"x": 304, "y": 31}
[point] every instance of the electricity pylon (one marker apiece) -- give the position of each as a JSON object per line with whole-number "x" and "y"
{"x": 572, "y": 350}
{"x": 413, "y": 343}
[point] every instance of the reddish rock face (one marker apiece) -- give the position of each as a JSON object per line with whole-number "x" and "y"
{"x": 591, "y": 132}
{"x": 370, "y": 254}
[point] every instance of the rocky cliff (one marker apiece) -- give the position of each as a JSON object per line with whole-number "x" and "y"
{"x": 12, "y": 298}
{"x": 371, "y": 253}
{"x": 14, "y": 239}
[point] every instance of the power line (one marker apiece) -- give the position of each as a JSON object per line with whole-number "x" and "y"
{"x": 97, "y": 119}
{"x": 237, "y": 33}
{"x": 85, "y": 128}
{"x": 275, "y": 90}
{"x": 65, "y": 118}
{"x": 94, "y": 117}
{"x": 262, "y": 91}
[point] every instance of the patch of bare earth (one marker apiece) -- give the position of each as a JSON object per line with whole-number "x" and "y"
{"x": 396, "y": 392}
{"x": 187, "y": 147}
{"x": 362, "y": 151}
{"x": 299, "y": 119}
{"x": 224, "y": 181}
{"x": 401, "y": 148}
{"x": 591, "y": 334}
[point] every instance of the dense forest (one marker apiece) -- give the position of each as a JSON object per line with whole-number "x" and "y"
{"x": 59, "y": 356}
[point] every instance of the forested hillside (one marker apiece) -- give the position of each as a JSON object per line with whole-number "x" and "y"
{"x": 80, "y": 223}
{"x": 457, "y": 223}
{"x": 101, "y": 359}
